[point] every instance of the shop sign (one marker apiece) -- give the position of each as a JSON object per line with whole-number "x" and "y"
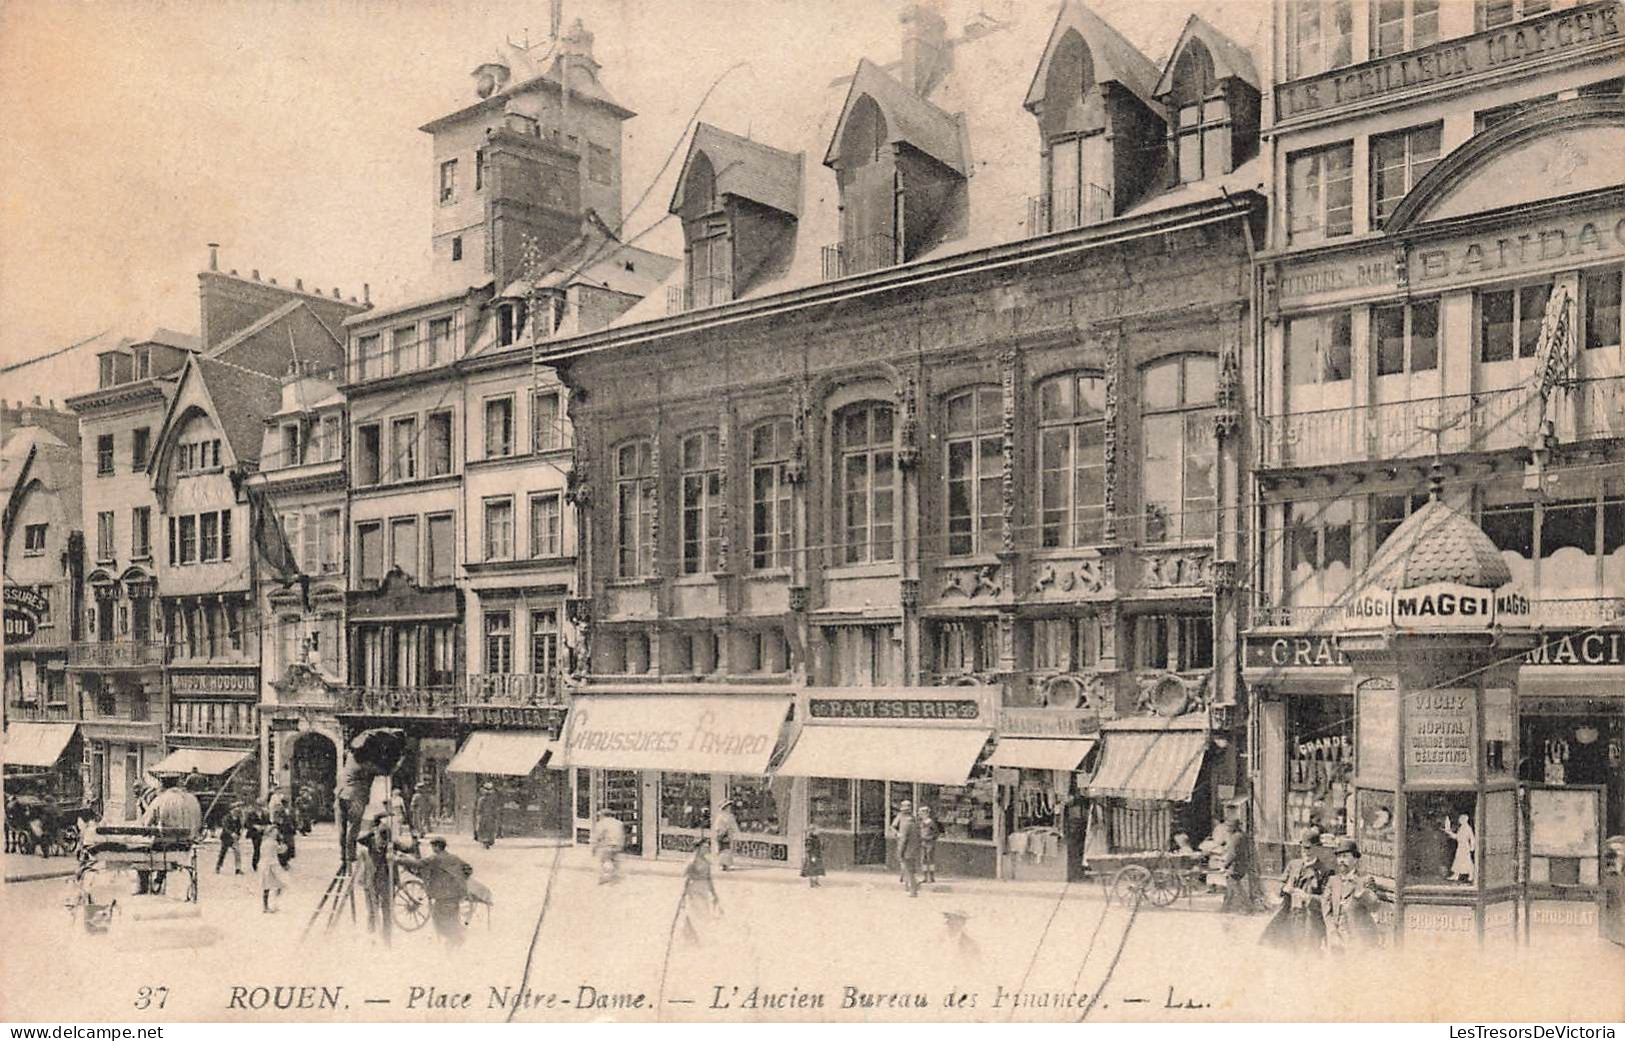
{"x": 1579, "y": 648}
{"x": 1048, "y": 722}
{"x": 894, "y": 708}
{"x": 1438, "y": 607}
{"x": 1376, "y": 705}
{"x": 1501, "y": 923}
{"x": 25, "y": 606}
{"x": 1334, "y": 281}
{"x": 1297, "y": 652}
{"x": 678, "y": 842}
{"x": 1441, "y": 733}
{"x": 1552, "y": 247}
{"x": 1498, "y": 49}
{"x": 207, "y": 683}
{"x": 1439, "y": 923}
{"x": 528, "y": 717}
{"x": 1499, "y": 838}
{"x": 1561, "y": 921}
{"x": 1564, "y": 822}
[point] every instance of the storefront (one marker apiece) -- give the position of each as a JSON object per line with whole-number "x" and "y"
{"x": 665, "y": 761}
{"x": 219, "y": 777}
{"x": 512, "y": 749}
{"x": 863, "y": 751}
{"x": 43, "y": 759}
{"x": 1148, "y": 785}
{"x": 1036, "y": 765}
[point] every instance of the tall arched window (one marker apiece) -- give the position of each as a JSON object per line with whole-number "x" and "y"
{"x": 634, "y": 510}
{"x": 772, "y": 532}
{"x": 1178, "y": 450}
{"x": 866, "y": 480}
{"x": 710, "y": 253}
{"x": 702, "y": 502}
{"x": 1200, "y": 120}
{"x": 973, "y": 441}
{"x": 871, "y": 194}
{"x": 1075, "y": 161}
{"x": 1072, "y": 459}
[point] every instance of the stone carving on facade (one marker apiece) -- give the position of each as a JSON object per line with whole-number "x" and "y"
{"x": 972, "y": 582}
{"x": 1091, "y": 576}
{"x": 1176, "y": 570}
{"x": 1171, "y": 694}
{"x": 654, "y": 496}
{"x": 578, "y": 611}
{"x": 302, "y": 682}
{"x": 1085, "y": 690}
{"x": 798, "y": 598}
{"x": 908, "y": 424}
{"x": 909, "y": 593}
{"x": 1221, "y": 576}
{"x": 1227, "y": 395}
{"x": 795, "y": 470}
{"x": 1008, "y": 361}
{"x": 1109, "y": 446}
{"x": 724, "y": 521}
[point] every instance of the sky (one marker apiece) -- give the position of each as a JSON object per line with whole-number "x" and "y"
{"x": 286, "y": 131}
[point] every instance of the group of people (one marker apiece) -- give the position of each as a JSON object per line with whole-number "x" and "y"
{"x": 916, "y": 832}
{"x": 1327, "y": 900}
{"x": 1232, "y": 865}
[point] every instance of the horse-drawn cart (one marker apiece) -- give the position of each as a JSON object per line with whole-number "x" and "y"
{"x": 121, "y": 848}
{"x": 1156, "y": 877}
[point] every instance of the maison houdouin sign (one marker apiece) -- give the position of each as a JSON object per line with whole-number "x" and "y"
{"x": 24, "y": 608}
{"x": 213, "y": 683}
{"x": 1438, "y": 607}
{"x": 1507, "y": 47}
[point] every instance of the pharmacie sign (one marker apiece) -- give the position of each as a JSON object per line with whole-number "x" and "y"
{"x": 1441, "y": 606}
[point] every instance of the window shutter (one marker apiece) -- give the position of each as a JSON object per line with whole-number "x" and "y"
{"x": 225, "y": 534}
{"x": 172, "y": 542}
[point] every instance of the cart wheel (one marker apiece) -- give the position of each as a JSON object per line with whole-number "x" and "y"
{"x": 1164, "y": 887}
{"x": 1130, "y": 883}
{"x": 411, "y": 904}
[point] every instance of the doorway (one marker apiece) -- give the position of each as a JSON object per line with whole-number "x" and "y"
{"x": 313, "y": 770}
{"x": 869, "y": 841}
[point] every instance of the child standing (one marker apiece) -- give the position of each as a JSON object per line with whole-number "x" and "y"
{"x": 930, "y": 831}
{"x": 273, "y": 876}
{"x": 812, "y": 857}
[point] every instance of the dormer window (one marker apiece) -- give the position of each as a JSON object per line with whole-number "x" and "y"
{"x": 143, "y": 362}
{"x": 510, "y": 322}
{"x": 1210, "y": 91}
{"x": 1201, "y": 115}
{"x": 1077, "y": 160}
{"x": 738, "y": 200}
{"x": 871, "y": 194}
{"x": 292, "y": 445}
{"x": 709, "y": 272}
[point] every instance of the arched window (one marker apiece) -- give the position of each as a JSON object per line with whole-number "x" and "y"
{"x": 702, "y": 502}
{"x": 1178, "y": 450}
{"x": 871, "y": 196}
{"x": 1072, "y": 459}
{"x": 1200, "y": 121}
{"x": 866, "y": 481}
{"x": 710, "y": 253}
{"x": 634, "y": 510}
{"x": 973, "y": 441}
{"x": 1076, "y": 152}
{"x": 772, "y": 532}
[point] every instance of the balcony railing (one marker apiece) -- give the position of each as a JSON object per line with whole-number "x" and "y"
{"x": 121, "y": 654}
{"x": 1485, "y": 421}
{"x": 400, "y": 701}
{"x": 1547, "y": 613}
{"x": 1068, "y": 209}
{"x": 708, "y": 291}
{"x": 23, "y": 711}
{"x": 855, "y": 256}
{"x": 512, "y": 689}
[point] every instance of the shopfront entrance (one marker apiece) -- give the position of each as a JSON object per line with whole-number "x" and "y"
{"x": 869, "y": 839}
{"x": 313, "y": 771}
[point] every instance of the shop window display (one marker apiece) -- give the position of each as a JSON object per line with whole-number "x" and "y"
{"x": 685, "y": 800}
{"x": 1320, "y": 764}
{"x": 1376, "y": 832}
{"x": 762, "y": 804}
{"x": 1441, "y": 838}
{"x": 964, "y": 811}
{"x": 829, "y": 803}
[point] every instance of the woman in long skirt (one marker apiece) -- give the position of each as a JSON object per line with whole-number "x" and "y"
{"x": 812, "y": 857}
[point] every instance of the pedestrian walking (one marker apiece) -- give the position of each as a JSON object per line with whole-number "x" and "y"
{"x": 1242, "y": 893}
{"x": 255, "y": 823}
{"x": 1300, "y": 924}
{"x": 273, "y": 878}
{"x": 487, "y": 816}
{"x": 727, "y": 832}
{"x": 1349, "y": 903}
{"x": 905, "y": 811}
{"x": 812, "y": 857}
{"x": 231, "y": 827}
{"x": 445, "y": 879}
{"x": 908, "y": 851}
{"x": 1214, "y": 846}
{"x": 422, "y": 809}
{"x": 608, "y": 839}
{"x": 701, "y": 905}
{"x": 930, "y": 831}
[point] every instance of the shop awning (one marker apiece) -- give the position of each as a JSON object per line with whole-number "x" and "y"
{"x": 733, "y": 734}
{"x": 1149, "y": 764}
{"x": 930, "y": 755}
{"x": 37, "y": 744}
{"x": 1041, "y": 753}
{"x": 209, "y": 761}
{"x": 513, "y": 753}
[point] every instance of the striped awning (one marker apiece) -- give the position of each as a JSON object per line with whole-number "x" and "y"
{"x": 1149, "y": 764}
{"x": 512, "y": 753}
{"x": 37, "y": 744}
{"x": 211, "y": 762}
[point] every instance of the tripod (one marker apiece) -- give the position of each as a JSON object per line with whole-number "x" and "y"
{"x": 340, "y": 892}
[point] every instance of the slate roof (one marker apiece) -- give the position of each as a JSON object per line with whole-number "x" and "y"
{"x": 1115, "y": 59}
{"x": 749, "y": 169}
{"x": 242, "y": 399}
{"x": 1229, "y": 58}
{"x": 910, "y": 118}
{"x": 1437, "y": 544}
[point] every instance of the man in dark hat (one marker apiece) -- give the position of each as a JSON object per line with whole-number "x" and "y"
{"x": 445, "y": 880}
{"x": 421, "y": 811}
{"x": 487, "y": 815}
{"x": 1350, "y": 902}
{"x": 174, "y": 810}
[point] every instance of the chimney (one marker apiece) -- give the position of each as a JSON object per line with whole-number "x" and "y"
{"x": 925, "y": 49}
{"x": 214, "y": 256}
{"x": 366, "y": 294}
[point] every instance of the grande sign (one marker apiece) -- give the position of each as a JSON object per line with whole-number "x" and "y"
{"x": 1527, "y": 42}
{"x": 1578, "y": 647}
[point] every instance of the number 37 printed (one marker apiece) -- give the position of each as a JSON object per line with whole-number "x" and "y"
{"x": 151, "y": 998}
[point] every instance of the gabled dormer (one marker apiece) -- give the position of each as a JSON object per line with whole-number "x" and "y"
{"x": 1098, "y": 123}
{"x": 900, "y": 167}
{"x": 739, "y": 201}
{"x": 1209, "y": 89}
